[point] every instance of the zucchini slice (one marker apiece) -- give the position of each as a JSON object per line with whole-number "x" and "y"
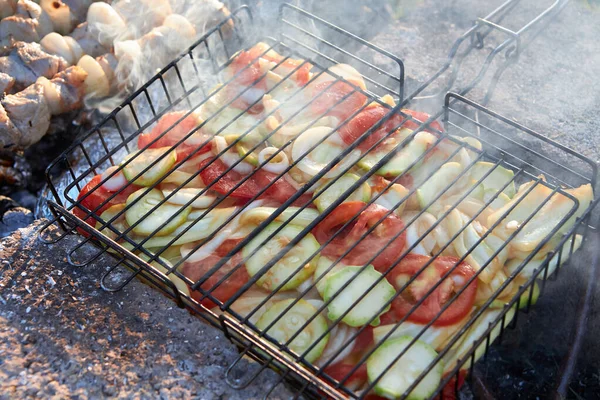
{"x": 148, "y": 223}
{"x": 289, "y": 323}
{"x": 438, "y": 183}
{"x": 245, "y": 153}
{"x": 362, "y": 193}
{"x": 257, "y": 215}
{"x": 288, "y": 264}
{"x": 142, "y": 159}
{"x": 499, "y": 177}
{"x": 322, "y": 266}
{"x": 405, "y": 157}
{"x": 398, "y": 376}
{"x": 200, "y": 230}
{"x": 119, "y": 224}
{"x": 354, "y": 282}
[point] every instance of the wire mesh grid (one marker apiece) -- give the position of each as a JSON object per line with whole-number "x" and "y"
{"x": 172, "y": 89}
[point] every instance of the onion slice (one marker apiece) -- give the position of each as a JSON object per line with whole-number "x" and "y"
{"x": 116, "y": 181}
{"x": 209, "y": 247}
{"x": 277, "y": 164}
{"x": 230, "y": 158}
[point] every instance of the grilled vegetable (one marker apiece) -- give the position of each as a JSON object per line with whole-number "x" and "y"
{"x": 141, "y": 160}
{"x": 439, "y": 182}
{"x": 257, "y": 215}
{"x": 363, "y": 193}
{"x": 313, "y": 161}
{"x": 139, "y": 213}
{"x": 499, "y": 177}
{"x": 556, "y": 207}
{"x": 201, "y": 228}
{"x": 284, "y": 268}
{"x": 354, "y": 283}
{"x": 292, "y": 322}
{"x": 119, "y": 224}
{"x": 398, "y": 376}
{"x": 405, "y": 156}
{"x": 322, "y": 272}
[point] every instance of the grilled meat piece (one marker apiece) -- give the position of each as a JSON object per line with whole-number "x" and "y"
{"x": 7, "y": 8}
{"x": 88, "y": 41}
{"x": 26, "y": 117}
{"x": 29, "y": 23}
{"x": 27, "y": 61}
{"x": 65, "y": 91}
{"x": 6, "y": 82}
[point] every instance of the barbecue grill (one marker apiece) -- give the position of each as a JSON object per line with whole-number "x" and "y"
{"x": 182, "y": 86}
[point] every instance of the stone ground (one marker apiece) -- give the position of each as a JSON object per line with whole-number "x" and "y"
{"x": 61, "y": 336}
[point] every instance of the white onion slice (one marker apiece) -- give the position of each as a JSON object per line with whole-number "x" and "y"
{"x": 312, "y": 160}
{"x": 184, "y": 195}
{"x": 338, "y": 337}
{"x": 230, "y": 158}
{"x": 225, "y": 233}
{"x": 277, "y": 164}
{"x": 115, "y": 182}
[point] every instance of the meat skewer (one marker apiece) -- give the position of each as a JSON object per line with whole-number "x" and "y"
{"x": 27, "y": 61}
{"x": 25, "y": 116}
{"x": 29, "y": 23}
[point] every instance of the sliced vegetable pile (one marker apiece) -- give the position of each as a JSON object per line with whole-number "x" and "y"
{"x": 393, "y": 238}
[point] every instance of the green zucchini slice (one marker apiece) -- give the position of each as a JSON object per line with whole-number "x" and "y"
{"x": 353, "y": 283}
{"x": 289, "y": 324}
{"x": 142, "y": 159}
{"x": 398, "y": 376}
{"x": 137, "y": 212}
{"x": 295, "y": 258}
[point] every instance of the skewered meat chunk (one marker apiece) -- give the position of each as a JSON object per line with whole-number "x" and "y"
{"x": 25, "y": 117}
{"x": 29, "y": 23}
{"x": 7, "y": 8}
{"x": 88, "y": 41}
{"x": 65, "y": 91}
{"x": 6, "y": 82}
{"x": 27, "y": 61}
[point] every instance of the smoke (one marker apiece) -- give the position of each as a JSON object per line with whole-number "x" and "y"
{"x": 146, "y": 35}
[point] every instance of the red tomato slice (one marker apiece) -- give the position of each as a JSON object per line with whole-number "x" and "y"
{"x": 420, "y": 116}
{"x": 223, "y": 292}
{"x": 364, "y": 250}
{"x": 363, "y": 121}
{"x": 280, "y": 189}
{"x": 449, "y": 391}
{"x": 224, "y": 183}
{"x": 98, "y": 196}
{"x": 364, "y": 340}
{"x": 341, "y": 370}
{"x": 431, "y": 307}
{"x": 171, "y": 136}
{"x": 333, "y": 93}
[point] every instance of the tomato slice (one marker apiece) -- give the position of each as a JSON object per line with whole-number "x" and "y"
{"x": 420, "y": 116}
{"x": 449, "y": 391}
{"x": 341, "y": 370}
{"x": 376, "y": 241}
{"x": 224, "y": 291}
{"x": 170, "y": 136}
{"x": 363, "y": 121}
{"x": 280, "y": 189}
{"x": 223, "y": 182}
{"x": 333, "y": 93}
{"x": 98, "y": 196}
{"x": 432, "y": 305}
